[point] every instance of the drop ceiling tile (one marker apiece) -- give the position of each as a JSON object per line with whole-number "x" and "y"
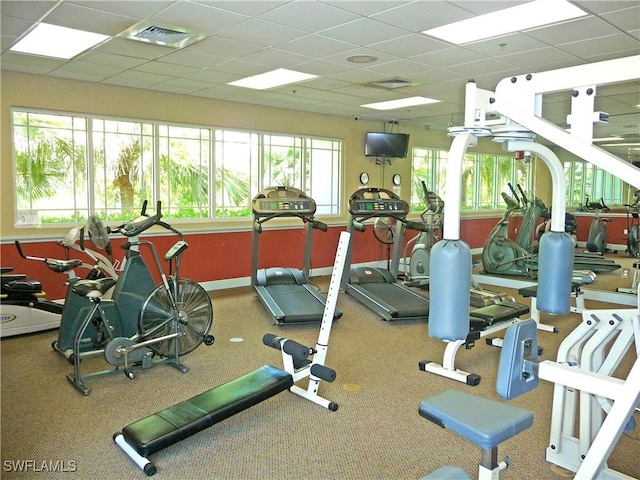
{"x": 240, "y": 67}
{"x": 180, "y": 85}
{"x": 211, "y": 76}
{"x": 95, "y": 57}
{"x": 366, "y": 8}
{"x": 138, "y": 9}
{"x": 262, "y": 32}
{"x": 409, "y": 45}
{"x": 192, "y": 59}
{"x": 86, "y": 72}
{"x": 625, "y": 19}
{"x": 322, "y": 68}
{"x": 275, "y": 58}
{"x": 198, "y": 18}
{"x": 132, "y": 48}
{"x": 46, "y": 63}
{"x": 603, "y": 6}
{"x": 399, "y": 68}
{"x": 32, "y": 10}
{"x": 447, "y": 58}
{"x": 13, "y": 26}
{"x": 311, "y": 17}
{"x": 224, "y": 47}
{"x": 317, "y": 45}
{"x": 513, "y": 43}
{"x": 612, "y": 44}
{"x": 364, "y": 31}
{"x": 360, "y": 75}
{"x": 82, "y": 18}
{"x": 418, "y": 16}
{"x": 572, "y": 31}
{"x": 169, "y": 69}
{"x": 246, "y": 7}
{"x": 537, "y": 60}
{"x": 132, "y": 78}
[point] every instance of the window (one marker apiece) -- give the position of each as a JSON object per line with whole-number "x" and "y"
{"x": 484, "y": 177}
{"x": 69, "y": 167}
{"x": 585, "y": 180}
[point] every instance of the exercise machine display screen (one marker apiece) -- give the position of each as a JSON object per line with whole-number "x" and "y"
{"x": 379, "y": 205}
{"x": 273, "y": 206}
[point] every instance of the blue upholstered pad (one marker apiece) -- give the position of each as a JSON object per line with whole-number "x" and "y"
{"x": 486, "y": 423}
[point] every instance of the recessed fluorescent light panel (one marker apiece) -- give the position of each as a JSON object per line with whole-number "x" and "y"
{"x": 275, "y": 78}
{"x": 58, "y": 42}
{"x": 510, "y": 20}
{"x": 403, "y": 102}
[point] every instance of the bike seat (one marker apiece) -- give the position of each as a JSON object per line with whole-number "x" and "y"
{"x": 84, "y": 288}
{"x": 62, "y": 266}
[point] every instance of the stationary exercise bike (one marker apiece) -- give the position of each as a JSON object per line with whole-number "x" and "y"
{"x": 597, "y": 241}
{"x": 24, "y": 306}
{"x": 141, "y": 320}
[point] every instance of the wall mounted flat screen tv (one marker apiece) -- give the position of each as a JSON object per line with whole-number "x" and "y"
{"x": 379, "y": 144}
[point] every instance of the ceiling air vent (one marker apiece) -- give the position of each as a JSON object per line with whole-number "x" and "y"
{"x": 392, "y": 83}
{"x": 165, "y": 35}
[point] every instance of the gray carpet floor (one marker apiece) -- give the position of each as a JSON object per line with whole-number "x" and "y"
{"x": 375, "y": 434}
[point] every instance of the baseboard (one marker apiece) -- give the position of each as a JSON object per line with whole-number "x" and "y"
{"x": 226, "y": 283}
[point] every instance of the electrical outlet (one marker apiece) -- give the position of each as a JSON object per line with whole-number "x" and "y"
{"x": 625, "y": 231}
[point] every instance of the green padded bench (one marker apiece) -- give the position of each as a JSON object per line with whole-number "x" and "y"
{"x": 172, "y": 425}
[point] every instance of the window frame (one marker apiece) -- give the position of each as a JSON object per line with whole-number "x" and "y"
{"x": 255, "y": 176}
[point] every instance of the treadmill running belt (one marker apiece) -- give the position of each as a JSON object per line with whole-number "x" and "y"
{"x": 296, "y": 302}
{"x": 406, "y": 303}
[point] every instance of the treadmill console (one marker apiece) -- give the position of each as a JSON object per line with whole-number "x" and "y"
{"x": 283, "y": 201}
{"x": 367, "y": 201}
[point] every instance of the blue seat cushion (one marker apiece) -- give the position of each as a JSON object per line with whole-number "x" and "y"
{"x": 486, "y": 423}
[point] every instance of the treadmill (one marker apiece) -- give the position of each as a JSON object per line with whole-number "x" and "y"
{"x": 286, "y": 292}
{"x": 378, "y": 288}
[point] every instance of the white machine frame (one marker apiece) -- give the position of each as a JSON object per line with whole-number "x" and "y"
{"x": 517, "y": 101}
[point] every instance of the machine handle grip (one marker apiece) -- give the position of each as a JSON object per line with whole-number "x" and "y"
{"x": 20, "y": 252}
{"x": 319, "y": 225}
{"x": 419, "y": 226}
{"x": 513, "y": 191}
{"x": 359, "y": 226}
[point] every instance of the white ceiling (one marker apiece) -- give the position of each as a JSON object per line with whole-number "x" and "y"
{"x": 245, "y": 38}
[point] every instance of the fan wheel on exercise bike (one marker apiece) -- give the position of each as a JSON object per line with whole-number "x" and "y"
{"x": 195, "y": 318}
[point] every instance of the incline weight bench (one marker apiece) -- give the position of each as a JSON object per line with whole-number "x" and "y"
{"x": 172, "y": 425}
{"x": 162, "y": 429}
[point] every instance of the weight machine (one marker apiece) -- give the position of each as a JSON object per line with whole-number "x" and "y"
{"x": 518, "y": 102}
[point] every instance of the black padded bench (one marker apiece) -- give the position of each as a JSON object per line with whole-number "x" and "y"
{"x": 167, "y": 427}
{"x": 487, "y": 316}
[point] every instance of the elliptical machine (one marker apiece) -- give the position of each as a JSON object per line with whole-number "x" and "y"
{"x": 421, "y": 252}
{"x": 633, "y": 226}
{"x": 141, "y": 320}
{"x": 597, "y": 241}
{"x": 502, "y": 255}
